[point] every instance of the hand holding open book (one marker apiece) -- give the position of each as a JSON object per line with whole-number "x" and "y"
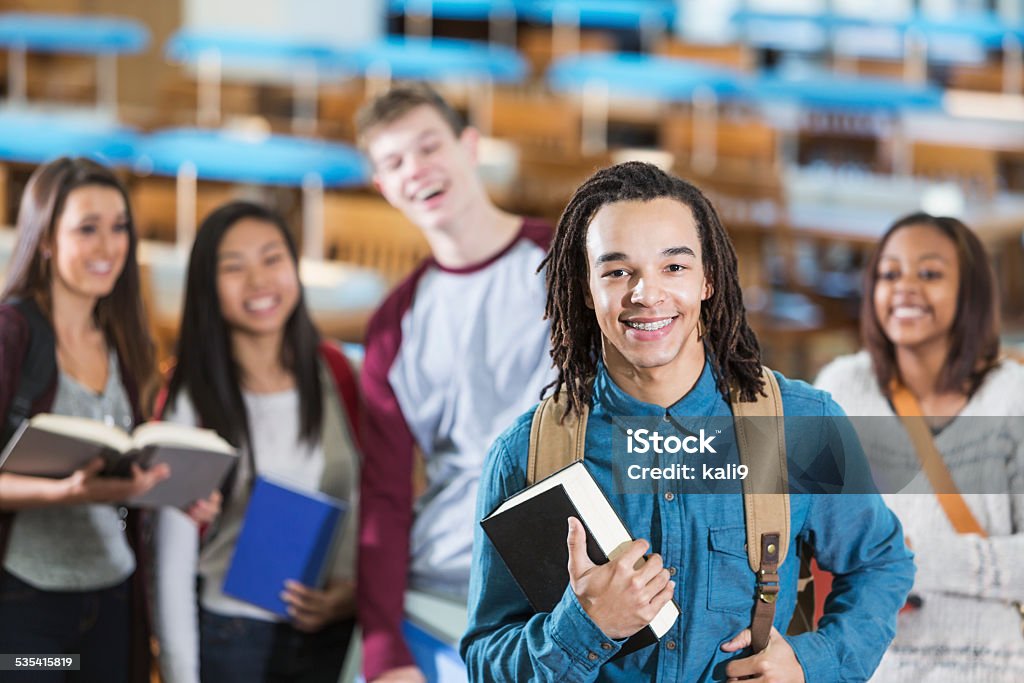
{"x": 187, "y": 463}
{"x": 89, "y": 485}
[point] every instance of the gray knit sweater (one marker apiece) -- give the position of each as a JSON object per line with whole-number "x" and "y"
{"x": 968, "y": 629}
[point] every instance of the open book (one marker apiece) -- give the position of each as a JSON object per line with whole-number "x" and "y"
{"x": 56, "y": 445}
{"x": 528, "y": 530}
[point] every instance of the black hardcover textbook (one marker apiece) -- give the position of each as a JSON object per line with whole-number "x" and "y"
{"x": 529, "y": 529}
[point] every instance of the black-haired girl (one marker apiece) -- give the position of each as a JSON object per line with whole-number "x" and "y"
{"x": 251, "y": 366}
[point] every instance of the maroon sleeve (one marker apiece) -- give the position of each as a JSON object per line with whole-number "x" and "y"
{"x": 539, "y": 231}
{"x": 386, "y": 495}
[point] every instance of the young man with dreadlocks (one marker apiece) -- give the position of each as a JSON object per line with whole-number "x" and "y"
{"x": 452, "y": 356}
{"x": 647, "y": 320}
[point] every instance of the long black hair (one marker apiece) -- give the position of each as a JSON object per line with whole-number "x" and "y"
{"x": 732, "y": 348}
{"x": 206, "y": 367}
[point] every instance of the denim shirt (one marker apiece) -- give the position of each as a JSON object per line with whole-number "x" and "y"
{"x": 701, "y": 538}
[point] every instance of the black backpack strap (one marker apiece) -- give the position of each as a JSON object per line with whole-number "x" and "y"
{"x": 37, "y": 369}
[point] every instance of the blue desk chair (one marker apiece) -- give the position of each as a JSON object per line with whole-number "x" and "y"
{"x": 103, "y": 37}
{"x": 416, "y": 58}
{"x": 437, "y": 658}
{"x": 39, "y": 137}
{"x": 649, "y": 18}
{"x": 917, "y": 40}
{"x": 840, "y": 104}
{"x": 501, "y": 15}
{"x": 831, "y": 91}
{"x": 786, "y": 31}
{"x": 478, "y": 66}
{"x": 189, "y": 155}
{"x": 635, "y": 75}
{"x": 967, "y": 39}
{"x": 305, "y": 63}
{"x": 600, "y": 77}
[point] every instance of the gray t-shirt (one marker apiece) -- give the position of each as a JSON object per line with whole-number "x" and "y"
{"x": 76, "y": 547}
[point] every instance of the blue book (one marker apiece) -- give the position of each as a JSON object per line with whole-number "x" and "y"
{"x": 439, "y": 661}
{"x": 286, "y": 534}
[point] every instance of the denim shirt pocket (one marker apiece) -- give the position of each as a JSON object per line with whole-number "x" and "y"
{"x": 730, "y": 581}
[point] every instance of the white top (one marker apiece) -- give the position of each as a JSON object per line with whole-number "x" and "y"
{"x": 461, "y": 353}
{"x": 967, "y": 629}
{"x": 280, "y": 453}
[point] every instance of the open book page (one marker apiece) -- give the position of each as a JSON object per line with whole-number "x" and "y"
{"x": 84, "y": 429}
{"x": 183, "y": 436}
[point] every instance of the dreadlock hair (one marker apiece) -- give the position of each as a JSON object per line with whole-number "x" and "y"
{"x": 730, "y": 344}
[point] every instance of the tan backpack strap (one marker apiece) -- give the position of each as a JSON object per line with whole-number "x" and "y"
{"x": 554, "y": 443}
{"x": 946, "y": 491}
{"x": 762, "y": 448}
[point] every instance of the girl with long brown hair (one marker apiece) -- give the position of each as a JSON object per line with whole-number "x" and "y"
{"x": 69, "y": 579}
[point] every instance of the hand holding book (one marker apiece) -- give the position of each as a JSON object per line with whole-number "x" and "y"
{"x": 600, "y": 562}
{"x": 86, "y": 485}
{"x": 623, "y": 595}
{"x": 311, "y": 609}
{"x": 284, "y": 548}
{"x": 94, "y": 462}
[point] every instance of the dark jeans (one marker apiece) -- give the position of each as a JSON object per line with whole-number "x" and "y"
{"x": 252, "y": 651}
{"x": 93, "y": 624}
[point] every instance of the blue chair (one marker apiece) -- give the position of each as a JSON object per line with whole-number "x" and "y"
{"x": 919, "y": 39}
{"x": 191, "y": 154}
{"x": 787, "y": 31}
{"x": 102, "y": 37}
{"x": 478, "y": 66}
{"x": 613, "y": 14}
{"x": 636, "y": 75}
{"x": 246, "y": 49}
{"x": 831, "y": 91}
{"x": 649, "y": 18}
{"x": 39, "y": 137}
{"x": 415, "y": 58}
{"x": 946, "y": 37}
{"x": 501, "y": 15}
{"x": 437, "y": 658}
{"x": 305, "y": 63}
{"x": 968, "y": 38}
{"x": 631, "y": 76}
{"x": 439, "y": 661}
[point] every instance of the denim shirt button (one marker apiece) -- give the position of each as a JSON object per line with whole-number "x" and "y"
{"x": 671, "y": 645}
{"x": 670, "y": 496}
{"x": 606, "y": 646}
{"x": 671, "y": 571}
{"x": 592, "y": 656}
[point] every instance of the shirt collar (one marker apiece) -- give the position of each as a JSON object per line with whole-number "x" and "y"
{"x": 702, "y": 399}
